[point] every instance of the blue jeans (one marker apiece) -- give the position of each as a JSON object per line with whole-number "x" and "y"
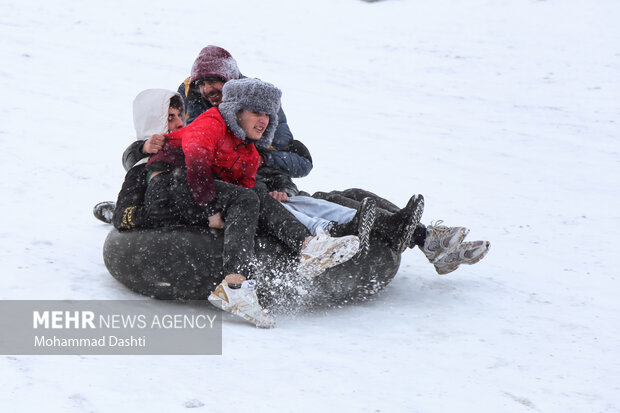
{"x": 315, "y": 213}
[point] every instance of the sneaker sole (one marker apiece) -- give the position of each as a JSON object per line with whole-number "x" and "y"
{"x": 453, "y": 267}
{"x": 487, "y": 246}
{"x": 365, "y": 227}
{"x": 224, "y": 305}
{"x": 337, "y": 254}
{"x": 411, "y": 226}
{"x": 442, "y": 253}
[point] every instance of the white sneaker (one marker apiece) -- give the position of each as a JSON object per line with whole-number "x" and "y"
{"x": 440, "y": 240}
{"x": 242, "y": 302}
{"x": 323, "y": 252}
{"x": 466, "y": 253}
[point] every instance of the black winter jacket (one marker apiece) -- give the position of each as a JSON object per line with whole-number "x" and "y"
{"x": 130, "y": 211}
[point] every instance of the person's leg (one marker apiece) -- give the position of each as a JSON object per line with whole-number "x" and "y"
{"x": 310, "y": 222}
{"x": 335, "y": 219}
{"x": 316, "y": 253}
{"x": 236, "y": 293}
{"x": 398, "y": 228}
{"x": 440, "y": 239}
{"x": 279, "y": 222}
{"x": 337, "y": 198}
{"x": 321, "y": 208}
{"x": 442, "y": 245}
{"x": 383, "y": 215}
{"x": 170, "y": 200}
{"x": 394, "y": 227}
{"x": 240, "y": 209}
{"x": 356, "y": 194}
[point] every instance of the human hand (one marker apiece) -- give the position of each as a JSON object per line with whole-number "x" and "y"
{"x": 279, "y": 196}
{"x": 154, "y": 144}
{"x": 216, "y": 221}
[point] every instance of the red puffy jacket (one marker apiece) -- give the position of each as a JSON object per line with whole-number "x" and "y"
{"x": 211, "y": 151}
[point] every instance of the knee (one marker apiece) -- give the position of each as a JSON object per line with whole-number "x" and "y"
{"x": 320, "y": 195}
{"x": 353, "y": 193}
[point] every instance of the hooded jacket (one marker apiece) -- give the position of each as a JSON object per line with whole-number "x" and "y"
{"x": 150, "y": 117}
{"x": 150, "y": 112}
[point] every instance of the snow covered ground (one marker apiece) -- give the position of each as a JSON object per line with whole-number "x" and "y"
{"x": 503, "y": 113}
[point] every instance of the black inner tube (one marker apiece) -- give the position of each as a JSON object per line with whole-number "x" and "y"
{"x": 185, "y": 263}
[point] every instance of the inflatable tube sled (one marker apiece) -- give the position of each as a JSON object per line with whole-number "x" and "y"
{"x": 186, "y": 263}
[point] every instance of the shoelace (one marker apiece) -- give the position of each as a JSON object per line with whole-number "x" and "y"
{"x": 439, "y": 231}
{"x": 436, "y": 225}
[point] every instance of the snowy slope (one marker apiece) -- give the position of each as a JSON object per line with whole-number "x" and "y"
{"x": 504, "y": 114}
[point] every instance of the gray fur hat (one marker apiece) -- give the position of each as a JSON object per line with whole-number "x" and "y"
{"x": 253, "y": 95}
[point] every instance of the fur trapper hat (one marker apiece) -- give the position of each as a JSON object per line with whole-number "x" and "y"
{"x": 253, "y": 95}
{"x": 213, "y": 61}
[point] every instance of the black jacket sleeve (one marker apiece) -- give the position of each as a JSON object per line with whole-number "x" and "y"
{"x": 133, "y": 154}
{"x": 275, "y": 179}
{"x": 300, "y": 149}
{"x": 130, "y": 211}
{"x": 281, "y": 156}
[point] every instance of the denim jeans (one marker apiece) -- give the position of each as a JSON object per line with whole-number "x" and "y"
{"x": 315, "y": 213}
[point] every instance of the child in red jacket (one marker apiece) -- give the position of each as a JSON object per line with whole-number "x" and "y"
{"x": 210, "y": 167}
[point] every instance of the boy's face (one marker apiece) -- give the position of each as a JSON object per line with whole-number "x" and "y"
{"x": 253, "y": 123}
{"x": 211, "y": 90}
{"x": 175, "y": 120}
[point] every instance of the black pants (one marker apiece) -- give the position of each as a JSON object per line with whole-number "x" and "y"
{"x": 353, "y": 197}
{"x": 243, "y": 210}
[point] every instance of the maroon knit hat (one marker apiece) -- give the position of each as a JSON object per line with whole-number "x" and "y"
{"x": 214, "y": 61}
